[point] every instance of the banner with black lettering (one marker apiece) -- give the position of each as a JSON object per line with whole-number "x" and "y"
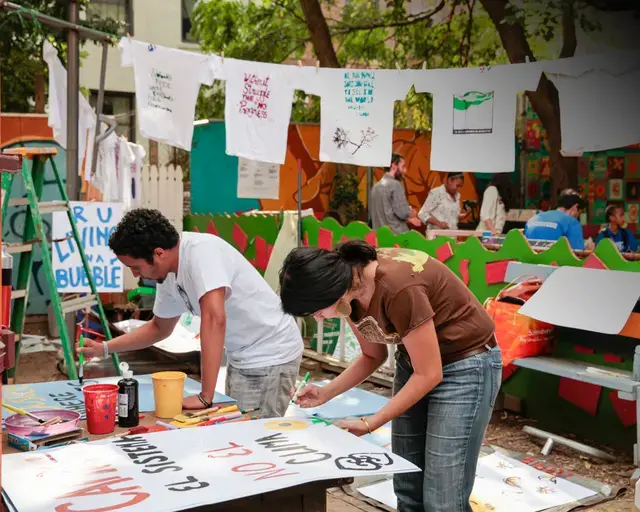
{"x": 182, "y": 469}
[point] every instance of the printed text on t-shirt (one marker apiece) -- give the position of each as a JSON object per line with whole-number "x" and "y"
{"x": 160, "y": 90}
{"x": 358, "y": 90}
{"x": 254, "y": 96}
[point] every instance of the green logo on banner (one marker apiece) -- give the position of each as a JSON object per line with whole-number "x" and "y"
{"x": 471, "y": 99}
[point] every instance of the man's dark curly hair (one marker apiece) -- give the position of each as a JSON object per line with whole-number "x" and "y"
{"x": 142, "y": 231}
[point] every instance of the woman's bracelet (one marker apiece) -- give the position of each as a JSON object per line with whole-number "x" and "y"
{"x": 366, "y": 423}
{"x": 203, "y": 400}
{"x": 106, "y": 349}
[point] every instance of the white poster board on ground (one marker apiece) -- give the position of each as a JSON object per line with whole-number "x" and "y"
{"x": 258, "y": 180}
{"x": 503, "y": 484}
{"x": 181, "y": 469}
{"x": 584, "y": 298}
{"x": 95, "y": 223}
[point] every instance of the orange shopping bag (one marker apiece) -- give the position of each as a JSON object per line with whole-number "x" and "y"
{"x": 518, "y": 335}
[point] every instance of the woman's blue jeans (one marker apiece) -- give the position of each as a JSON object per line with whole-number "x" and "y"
{"x": 442, "y": 434}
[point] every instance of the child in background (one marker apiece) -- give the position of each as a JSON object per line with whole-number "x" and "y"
{"x": 622, "y": 237}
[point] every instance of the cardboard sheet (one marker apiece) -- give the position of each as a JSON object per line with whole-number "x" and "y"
{"x": 67, "y": 394}
{"x": 351, "y": 404}
{"x": 587, "y": 299}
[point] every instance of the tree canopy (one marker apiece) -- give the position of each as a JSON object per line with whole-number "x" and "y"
{"x": 21, "y": 41}
{"x": 394, "y": 33}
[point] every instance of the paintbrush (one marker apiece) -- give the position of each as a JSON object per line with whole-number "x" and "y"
{"x": 186, "y": 416}
{"x": 22, "y": 412}
{"x": 81, "y": 361}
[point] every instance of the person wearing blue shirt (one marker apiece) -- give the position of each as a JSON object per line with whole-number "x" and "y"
{"x": 563, "y": 221}
{"x": 621, "y": 237}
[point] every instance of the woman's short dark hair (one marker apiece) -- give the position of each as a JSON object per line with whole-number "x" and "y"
{"x": 312, "y": 279}
{"x": 503, "y": 182}
{"x": 141, "y": 232}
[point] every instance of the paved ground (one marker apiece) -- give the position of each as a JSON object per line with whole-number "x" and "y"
{"x": 505, "y": 432}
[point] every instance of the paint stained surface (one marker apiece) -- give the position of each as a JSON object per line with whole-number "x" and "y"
{"x": 177, "y": 470}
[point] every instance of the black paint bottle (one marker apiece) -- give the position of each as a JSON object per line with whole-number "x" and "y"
{"x": 127, "y": 398}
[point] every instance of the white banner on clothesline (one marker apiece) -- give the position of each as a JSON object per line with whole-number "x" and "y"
{"x": 473, "y": 108}
{"x": 183, "y": 469}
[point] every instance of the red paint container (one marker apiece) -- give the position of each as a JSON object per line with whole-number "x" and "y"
{"x": 100, "y": 402}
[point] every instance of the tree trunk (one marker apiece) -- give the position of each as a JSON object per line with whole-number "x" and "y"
{"x": 320, "y": 35}
{"x": 564, "y": 171}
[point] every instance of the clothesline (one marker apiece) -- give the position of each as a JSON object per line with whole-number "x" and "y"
{"x": 474, "y": 109}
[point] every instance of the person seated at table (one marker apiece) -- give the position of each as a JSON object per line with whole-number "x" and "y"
{"x": 563, "y": 221}
{"x": 441, "y": 210}
{"x": 621, "y": 237}
{"x": 202, "y": 274}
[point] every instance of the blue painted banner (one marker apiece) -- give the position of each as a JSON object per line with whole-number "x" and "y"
{"x": 67, "y": 394}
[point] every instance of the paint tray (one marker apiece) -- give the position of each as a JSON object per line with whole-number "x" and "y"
{"x": 25, "y": 426}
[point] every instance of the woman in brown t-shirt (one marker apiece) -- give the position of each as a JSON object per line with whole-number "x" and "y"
{"x": 448, "y": 366}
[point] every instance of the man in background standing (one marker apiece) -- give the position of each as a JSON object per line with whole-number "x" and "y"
{"x": 388, "y": 202}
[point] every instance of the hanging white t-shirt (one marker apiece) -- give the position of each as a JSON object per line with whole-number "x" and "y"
{"x": 57, "y": 111}
{"x": 114, "y": 160}
{"x": 474, "y": 115}
{"x": 258, "y": 104}
{"x": 258, "y": 332}
{"x": 602, "y": 88}
{"x": 356, "y": 113}
{"x": 167, "y": 85}
{"x": 132, "y": 182}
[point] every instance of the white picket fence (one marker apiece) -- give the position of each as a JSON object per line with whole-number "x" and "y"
{"x": 162, "y": 189}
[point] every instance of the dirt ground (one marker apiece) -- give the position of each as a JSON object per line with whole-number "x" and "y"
{"x": 506, "y": 432}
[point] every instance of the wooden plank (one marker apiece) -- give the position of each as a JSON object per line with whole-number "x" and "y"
{"x": 333, "y": 365}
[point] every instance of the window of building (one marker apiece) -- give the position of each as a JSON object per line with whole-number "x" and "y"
{"x": 121, "y": 106}
{"x": 119, "y": 10}
{"x": 187, "y": 10}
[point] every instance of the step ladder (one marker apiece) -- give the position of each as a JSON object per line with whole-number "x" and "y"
{"x": 34, "y": 162}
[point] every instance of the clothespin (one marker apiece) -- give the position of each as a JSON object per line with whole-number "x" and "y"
{"x": 299, "y": 63}
{"x": 398, "y": 67}
{"x": 424, "y": 65}
{"x": 526, "y": 59}
{"x": 222, "y": 55}
{"x": 128, "y": 36}
{"x": 317, "y": 65}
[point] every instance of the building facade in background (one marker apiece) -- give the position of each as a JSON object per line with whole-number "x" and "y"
{"x": 162, "y": 22}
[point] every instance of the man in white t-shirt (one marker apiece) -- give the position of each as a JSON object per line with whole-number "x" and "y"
{"x": 204, "y": 275}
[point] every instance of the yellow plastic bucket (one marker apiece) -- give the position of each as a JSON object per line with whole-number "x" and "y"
{"x": 168, "y": 390}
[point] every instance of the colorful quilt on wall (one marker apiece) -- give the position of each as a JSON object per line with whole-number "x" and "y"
{"x": 607, "y": 177}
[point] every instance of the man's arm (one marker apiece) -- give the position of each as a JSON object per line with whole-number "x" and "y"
{"x": 212, "y": 329}
{"x": 575, "y": 236}
{"x": 144, "y": 336}
{"x": 399, "y": 204}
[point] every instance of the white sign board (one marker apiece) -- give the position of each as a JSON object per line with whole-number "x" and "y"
{"x": 95, "y": 223}
{"x": 258, "y": 180}
{"x": 181, "y": 469}
{"x": 585, "y": 298}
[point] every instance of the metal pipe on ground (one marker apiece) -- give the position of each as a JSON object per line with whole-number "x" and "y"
{"x": 552, "y": 439}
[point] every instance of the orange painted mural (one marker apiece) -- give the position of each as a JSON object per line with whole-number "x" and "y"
{"x": 318, "y": 177}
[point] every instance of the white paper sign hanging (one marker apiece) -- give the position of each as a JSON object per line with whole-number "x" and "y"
{"x": 258, "y": 180}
